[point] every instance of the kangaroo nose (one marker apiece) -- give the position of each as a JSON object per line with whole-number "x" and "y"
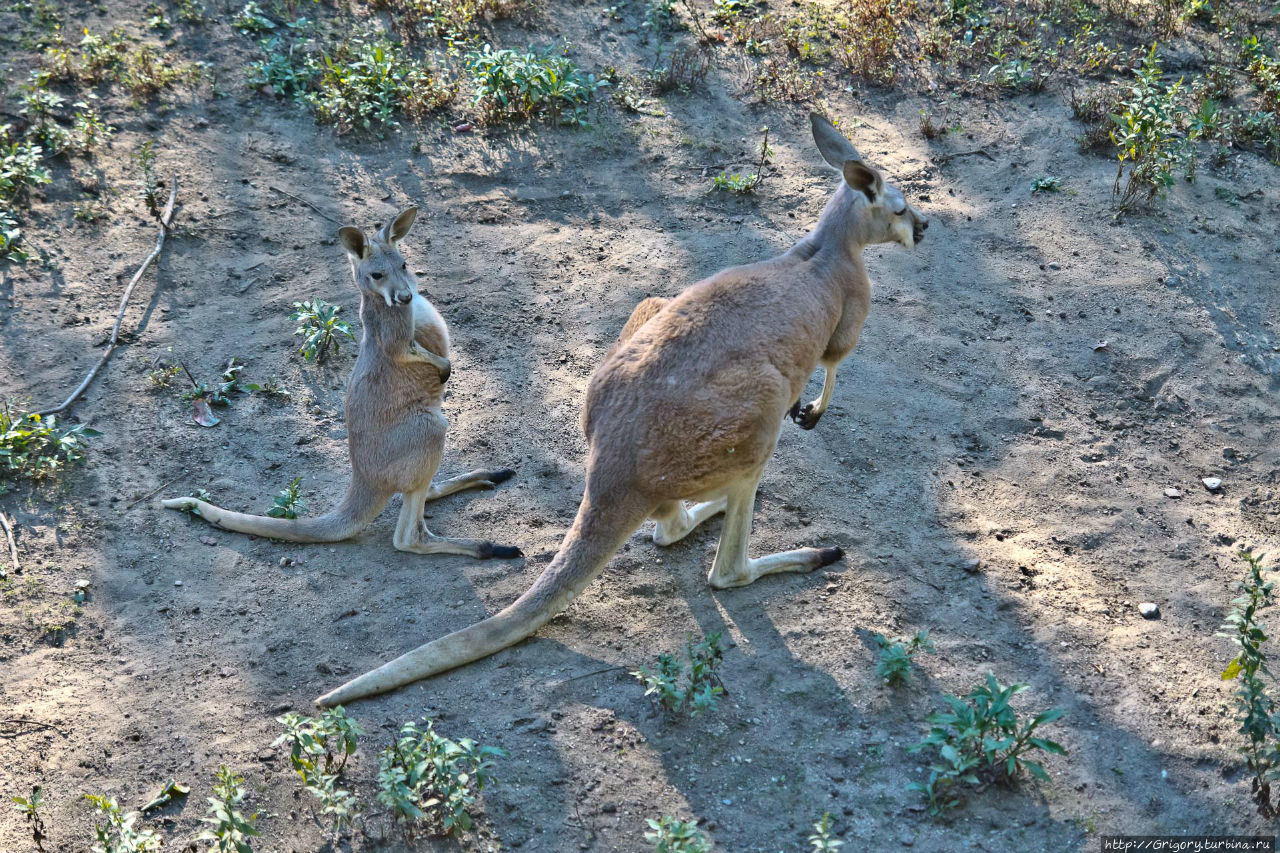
{"x": 403, "y": 297}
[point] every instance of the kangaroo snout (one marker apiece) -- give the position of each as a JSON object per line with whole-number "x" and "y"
{"x": 402, "y": 297}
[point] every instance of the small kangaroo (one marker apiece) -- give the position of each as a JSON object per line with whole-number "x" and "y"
{"x": 395, "y": 429}
{"x": 688, "y": 404}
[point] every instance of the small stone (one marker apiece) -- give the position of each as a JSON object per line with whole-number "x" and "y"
{"x": 972, "y": 565}
{"x": 1172, "y": 493}
{"x": 83, "y": 583}
{"x": 1212, "y": 483}
{"x": 1149, "y": 610}
{"x": 177, "y": 583}
{"x": 907, "y": 839}
{"x": 208, "y": 540}
{"x": 1054, "y": 265}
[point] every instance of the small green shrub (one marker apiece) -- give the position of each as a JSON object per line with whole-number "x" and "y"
{"x": 511, "y": 86}
{"x": 251, "y": 19}
{"x": 367, "y": 80}
{"x": 288, "y": 503}
{"x": 668, "y": 835}
{"x": 33, "y": 447}
{"x": 151, "y": 185}
{"x": 897, "y": 656}
{"x": 1255, "y": 707}
{"x": 30, "y": 808}
{"x": 745, "y": 183}
{"x": 318, "y": 751}
{"x": 1146, "y": 134}
{"x": 118, "y": 834}
{"x": 822, "y": 840}
{"x": 424, "y": 777}
{"x": 319, "y": 328}
{"x": 1046, "y": 184}
{"x": 693, "y": 688}
{"x": 980, "y": 739}
{"x": 229, "y": 829}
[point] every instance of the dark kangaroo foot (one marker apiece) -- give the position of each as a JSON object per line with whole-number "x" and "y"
{"x": 805, "y": 416}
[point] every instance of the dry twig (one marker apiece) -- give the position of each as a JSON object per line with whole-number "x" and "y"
{"x": 165, "y": 223}
{"x": 13, "y": 546}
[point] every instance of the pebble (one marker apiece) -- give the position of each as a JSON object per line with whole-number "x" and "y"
{"x": 83, "y": 583}
{"x": 177, "y": 583}
{"x": 1149, "y": 610}
{"x": 1172, "y": 493}
{"x": 1212, "y": 483}
{"x": 972, "y": 565}
{"x": 907, "y": 839}
{"x": 1054, "y": 265}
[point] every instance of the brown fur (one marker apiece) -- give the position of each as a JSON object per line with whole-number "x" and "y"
{"x": 688, "y": 406}
{"x": 395, "y": 428}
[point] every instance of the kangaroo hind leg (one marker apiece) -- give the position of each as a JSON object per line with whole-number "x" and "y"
{"x": 413, "y": 536}
{"x": 677, "y": 519}
{"x": 732, "y": 567}
{"x": 478, "y": 479}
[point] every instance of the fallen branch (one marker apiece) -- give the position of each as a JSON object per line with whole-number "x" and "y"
{"x": 301, "y": 200}
{"x": 943, "y": 158}
{"x": 24, "y": 722}
{"x": 165, "y": 222}
{"x": 13, "y": 546}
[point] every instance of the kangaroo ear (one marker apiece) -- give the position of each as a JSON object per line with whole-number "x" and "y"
{"x": 353, "y": 241}
{"x": 394, "y": 231}
{"x": 864, "y": 179}
{"x": 836, "y": 149}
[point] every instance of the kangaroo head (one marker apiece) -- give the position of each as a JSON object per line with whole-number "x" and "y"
{"x": 882, "y": 213}
{"x": 379, "y": 269}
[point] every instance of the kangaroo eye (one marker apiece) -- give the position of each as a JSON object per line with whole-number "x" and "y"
{"x": 376, "y": 276}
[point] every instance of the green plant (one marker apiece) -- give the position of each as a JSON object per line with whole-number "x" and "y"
{"x": 1256, "y": 709}
{"x": 739, "y": 183}
{"x": 867, "y": 35}
{"x": 156, "y": 18}
{"x": 981, "y": 740}
{"x": 423, "y": 776}
{"x": 162, "y": 376}
{"x": 30, "y": 807}
{"x": 1146, "y": 135}
{"x": 659, "y": 14}
{"x": 118, "y": 834}
{"x": 229, "y": 830}
{"x": 252, "y": 19}
{"x": 683, "y": 70}
{"x": 821, "y": 840}
{"x": 320, "y": 328}
{"x": 151, "y": 185}
{"x": 678, "y": 688}
{"x": 90, "y": 130}
{"x": 318, "y": 751}
{"x": 365, "y": 81}
{"x": 33, "y": 447}
{"x": 1046, "y": 184}
{"x": 510, "y": 85}
{"x": 894, "y": 665}
{"x": 287, "y": 503}
{"x": 668, "y": 835}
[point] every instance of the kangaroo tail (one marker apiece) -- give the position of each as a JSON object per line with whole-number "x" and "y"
{"x": 359, "y": 506}
{"x": 597, "y": 532}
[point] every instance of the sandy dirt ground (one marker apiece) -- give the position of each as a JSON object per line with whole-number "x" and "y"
{"x": 979, "y": 417}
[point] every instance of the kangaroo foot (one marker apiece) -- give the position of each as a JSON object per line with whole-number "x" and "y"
{"x": 488, "y": 550}
{"x": 807, "y": 416}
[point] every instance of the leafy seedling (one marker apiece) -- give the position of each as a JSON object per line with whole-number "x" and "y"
{"x": 1046, "y": 184}
{"x": 118, "y": 834}
{"x": 981, "y": 740}
{"x": 822, "y": 840}
{"x": 897, "y": 656}
{"x": 424, "y": 777}
{"x": 668, "y": 835}
{"x": 318, "y": 751}
{"x": 34, "y": 447}
{"x": 288, "y": 503}
{"x": 30, "y": 807}
{"x": 320, "y": 328}
{"x": 229, "y": 829}
{"x": 691, "y": 688}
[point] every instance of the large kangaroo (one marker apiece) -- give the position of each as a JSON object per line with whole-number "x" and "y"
{"x": 688, "y": 406}
{"x": 395, "y": 429}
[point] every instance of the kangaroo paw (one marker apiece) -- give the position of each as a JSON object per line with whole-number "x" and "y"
{"x": 502, "y": 552}
{"x": 805, "y": 415}
{"x": 501, "y": 475}
{"x": 829, "y": 556}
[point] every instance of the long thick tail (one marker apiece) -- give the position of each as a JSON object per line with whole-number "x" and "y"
{"x": 597, "y": 532}
{"x": 359, "y": 506}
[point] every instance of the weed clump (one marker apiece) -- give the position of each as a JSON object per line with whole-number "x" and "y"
{"x": 981, "y": 740}
{"x": 33, "y": 447}
{"x": 897, "y": 656}
{"x": 229, "y": 829}
{"x": 668, "y": 835}
{"x": 693, "y": 688}
{"x": 320, "y": 328}
{"x": 318, "y": 751}
{"x": 424, "y": 777}
{"x": 1146, "y": 135}
{"x": 1255, "y": 706}
{"x": 515, "y": 86}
